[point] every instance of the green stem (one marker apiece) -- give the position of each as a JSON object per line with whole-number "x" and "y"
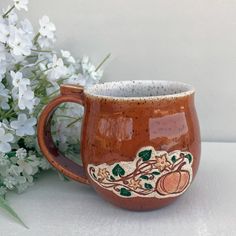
{"x": 73, "y": 122}
{"x": 9, "y": 112}
{"x": 5, "y": 205}
{"x": 30, "y": 56}
{"x": 36, "y": 38}
{"x": 35, "y": 50}
{"x": 47, "y": 69}
{"x": 53, "y": 93}
{"x": 40, "y": 61}
{"x": 5, "y": 14}
{"x": 102, "y": 62}
{"x": 69, "y": 117}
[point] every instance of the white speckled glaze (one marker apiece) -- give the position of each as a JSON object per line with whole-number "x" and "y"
{"x": 140, "y": 89}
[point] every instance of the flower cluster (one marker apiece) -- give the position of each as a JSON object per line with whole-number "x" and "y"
{"x": 30, "y": 76}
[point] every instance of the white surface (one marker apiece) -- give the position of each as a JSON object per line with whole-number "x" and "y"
{"x": 53, "y": 207}
{"x": 187, "y": 40}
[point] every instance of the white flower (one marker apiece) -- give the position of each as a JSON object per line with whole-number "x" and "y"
{"x": 76, "y": 79}
{"x": 22, "y": 187}
{"x": 19, "y": 42}
{"x": 27, "y": 27}
{"x": 14, "y": 170}
{"x": 5, "y": 138}
{"x": 42, "y": 66}
{"x": 67, "y": 56}
{"x": 21, "y": 153}
{"x": 24, "y": 126}
{"x": 27, "y": 100}
{"x": 3, "y": 69}
{"x": 44, "y": 164}
{"x": 12, "y": 18}
{"x": 22, "y": 91}
{"x": 4, "y": 32}
{"x": 45, "y": 42}
{"x": 90, "y": 72}
{"x": 34, "y": 162}
{"x": 29, "y": 166}
{"x": 47, "y": 28}
{"x": 29, "y": 141}
{"x": 3, "y": 53}
{"x": 20, "y": 179}
{"x": 28, "y": 79}
{"x": 19, "y": 82}
{"x": 57, "y": 70}
{"x": 4, "y": 160}
{"x": 9, "y": 182}
{"x": 4, "y": 97}
{"x": 21, "y": 4}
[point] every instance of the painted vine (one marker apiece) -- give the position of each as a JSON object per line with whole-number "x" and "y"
{"x": 151, "y": 174}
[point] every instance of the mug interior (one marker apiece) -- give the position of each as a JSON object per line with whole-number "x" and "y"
{"x": 140, "y": 89}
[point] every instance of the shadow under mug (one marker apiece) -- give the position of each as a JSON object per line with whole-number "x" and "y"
{"x": 140, "y": 140}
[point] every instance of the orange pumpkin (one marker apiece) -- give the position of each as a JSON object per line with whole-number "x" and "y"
{"x": 173, "y": 182}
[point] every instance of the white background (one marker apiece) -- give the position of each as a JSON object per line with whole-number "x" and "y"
{"x": 187, "y": 40}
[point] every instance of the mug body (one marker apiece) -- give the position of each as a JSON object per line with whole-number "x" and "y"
{"x": 140, "y": 142}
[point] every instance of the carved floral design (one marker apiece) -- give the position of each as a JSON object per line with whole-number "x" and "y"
{"x": 151, "y": 174}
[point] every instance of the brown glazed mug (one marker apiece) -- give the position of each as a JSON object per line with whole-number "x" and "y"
{"x": 140, "y": 141}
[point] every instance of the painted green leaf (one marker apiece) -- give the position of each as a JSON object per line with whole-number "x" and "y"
{"x": 144, "y": 177}
{"x": 155, "y": 173}
{"x": 118, "y": 170}
{"x": 189, "y": 157}
{"x": 125, "y": 192}
{"x": 112, "y": 178}
{"x": 173, "y": 159}
{"x": 145, "y": 154}
{"x": 148, "y": 186}
{"x": 4, "y": 205}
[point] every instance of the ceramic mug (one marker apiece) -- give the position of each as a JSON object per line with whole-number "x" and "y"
{"x": 140, "y": 141}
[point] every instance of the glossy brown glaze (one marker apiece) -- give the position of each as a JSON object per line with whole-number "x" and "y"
{"x": 115, "y": 129}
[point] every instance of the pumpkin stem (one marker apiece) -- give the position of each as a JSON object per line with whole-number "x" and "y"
{"x": 180, "y": 166}
{"x": 177, "y": 163}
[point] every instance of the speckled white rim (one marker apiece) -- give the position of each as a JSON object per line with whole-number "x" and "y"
{"x": 140, "y": 90}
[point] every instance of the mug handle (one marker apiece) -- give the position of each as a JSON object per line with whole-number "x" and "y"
{"x": 69, "y": 93}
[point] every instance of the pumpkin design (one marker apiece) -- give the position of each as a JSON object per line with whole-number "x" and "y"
{"x": 173, "y": 182}
{"x": 152, "y": 173}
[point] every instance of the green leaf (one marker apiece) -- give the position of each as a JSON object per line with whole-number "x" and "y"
{"x": 173, "y": 159}
{"x": 144, "y": 177}
{"x": 189, "y": 157}
{"x": 4, "y": 205}
{"x": 155, "y": 173}
{"x": 118, "y": 170}
{"x": 125, "y": 192}
{"x": 145, "y": 154}
{"x": 11, "y": 154}
{"x": 148, "y": 186}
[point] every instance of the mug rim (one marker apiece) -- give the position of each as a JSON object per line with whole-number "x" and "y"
{"x": 90, "y": 91}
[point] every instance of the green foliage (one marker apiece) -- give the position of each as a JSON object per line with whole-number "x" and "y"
{"x": 4, "y": 205}
{"x": 148, "y": 186}
{"x": 189, "y": 157}
{"x": 145, "y": 155}
{"x": 125, "y": 192}
{"x": 118, "y": 170}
